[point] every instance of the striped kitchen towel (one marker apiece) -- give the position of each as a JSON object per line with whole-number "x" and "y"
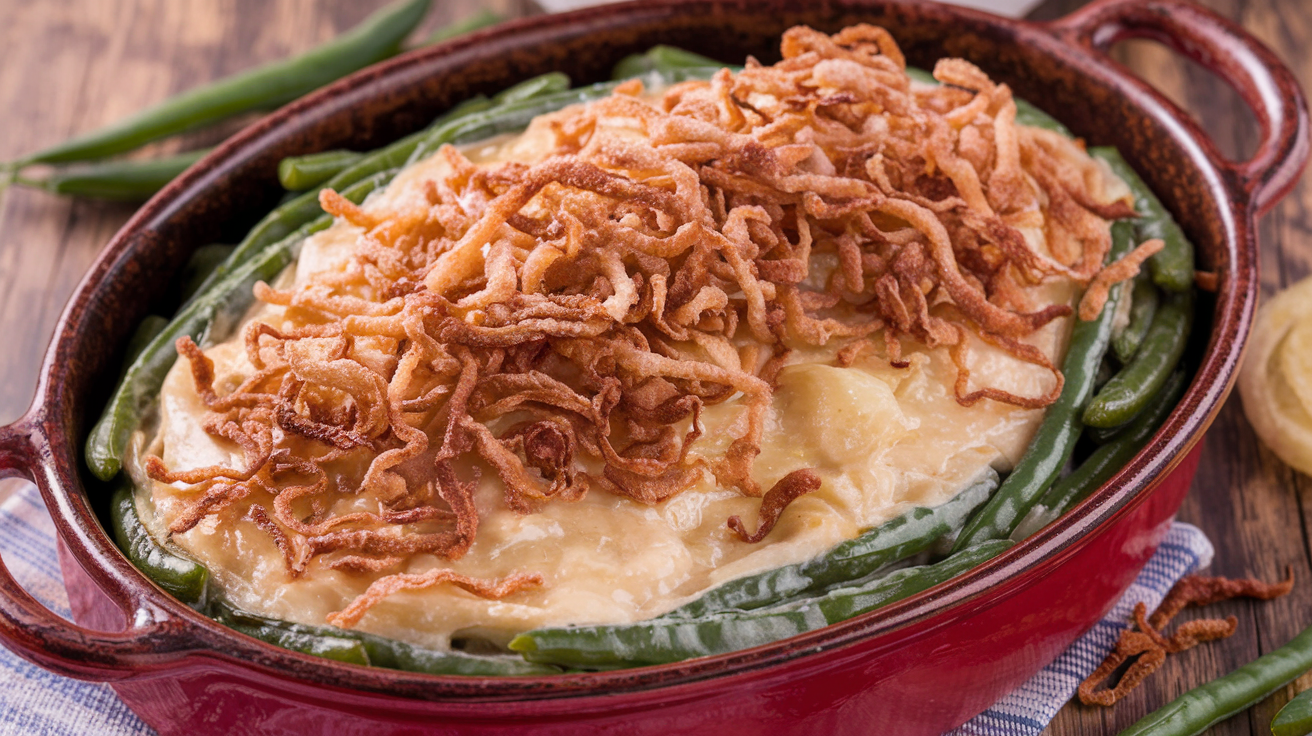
{"x": 34, "y": 702}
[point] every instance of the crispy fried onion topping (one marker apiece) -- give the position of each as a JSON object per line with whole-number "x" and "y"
{"x": 565, "y": 323}
{"x": 1145, "y": 646}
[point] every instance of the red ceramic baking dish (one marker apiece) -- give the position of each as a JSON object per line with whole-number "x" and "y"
{"x": 918, "y": 667}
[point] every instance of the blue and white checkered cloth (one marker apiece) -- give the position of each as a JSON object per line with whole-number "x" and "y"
{"x": 34, "y": 702}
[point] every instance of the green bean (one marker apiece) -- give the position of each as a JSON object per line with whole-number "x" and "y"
{"x": 125, "y": 181}
{"x": 373, "y": 650}
{"x": 201, "y": 264}
{"x": 1200, "y": 708}
{"x": 298, "y": 173}
{"x": 1295, "y": 719}
{"x": 1143, "y": 305}
{"x": 263, "y": 88}
{"x": 1131, "y": 389}
{"x": 1103, "y": 463}
{"x": 151, "y": 326}
{"x": 1054, "y": 442}
{"x": 662, "y": 59}
{"x": 660, "y": 641}
{"x": 1173, "y": 266}
{"x": 481, "y": 19}
{"x": 907, "y": 535}
{"x": 326, "y": 644}
{"x": 550, "y": 83}
{"x": 215, "y": 309}
{"x": 178, "y": 576}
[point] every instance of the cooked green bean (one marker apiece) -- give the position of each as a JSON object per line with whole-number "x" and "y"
{"x": 298, "y": 173}
{"x": 1103, "y": 463}
{"x": 1173, "y": 266}
{"x": 542, "y": 85}
{"x": 201, "y": 264}
{"x": 1200, "y": 708}
{"x": 481, "y": 19}
{"x": 1134, "y": 386}
{"x": 221, "y": 305}
{"x": 177, "y": 575}
{"x": 151, "y": 326}
{"x": 263, "y": 88}
{"x": 373, "y": 650}
{"x": 662, "y": 59}
{"x": 1143, "y": 305}
{"x": 907, "y": 535}
{"x": 658, "y": 641}
{"x": 125, "y": 181}
{"x": 1295, "y": 719}
{"x": 1054, "y": 442}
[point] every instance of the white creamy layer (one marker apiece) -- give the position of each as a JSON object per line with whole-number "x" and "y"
{"x": 883, "y": 440}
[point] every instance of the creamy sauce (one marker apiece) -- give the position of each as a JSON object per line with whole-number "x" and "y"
{"x": 883, "y": 440}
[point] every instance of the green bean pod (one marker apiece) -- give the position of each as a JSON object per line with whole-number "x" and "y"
{"x": 662, "y": 59}
{"x": 909, "y": 534}
{"x": 361, "y": 648}
{"x": 151, "y": 326}
{"x": 124, "y": 181}
{"x": 263, "y": 88}
{"x": 1054, "y": 442}
{"x": 201, "y": 264}
{"x": 1144, "y": 299}
{"x": 551, "y": 83}
{"x": 1200, "y": 708}
{"x": 1295, "y": 719}
{"x": 1105, "y": 461}
{"x": 659, "y": 641}
{"x": 178, "y": 576}
{"x": 298, "y": 173}
{"x": 1133, "y": 387}
{"x": 1173, "y": 266}
{"x": 220, "y": 305}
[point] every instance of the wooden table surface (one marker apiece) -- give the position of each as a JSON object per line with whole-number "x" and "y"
{"x": 71, "y": 65}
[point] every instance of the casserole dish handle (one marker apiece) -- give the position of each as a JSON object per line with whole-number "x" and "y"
{"x": 1265, "y": 83}
{"x": 152, "y": 639}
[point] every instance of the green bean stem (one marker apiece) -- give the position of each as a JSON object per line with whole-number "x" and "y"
{"x": 1200, "y": 708}
{"x": 298, "y": 173}
{"x": 895, "y": 540}
{"x": 659, "y": 641}
{"x": 1144, "y": 299}
{"x": 1133, "y": 387}
{"x": 1173, "y": 266}
{"x": 1105, "y": 461}
{"x": 262, "y": 88}
{"x": 1054, "y": 442}
{"x": 177, "y": 575}
{"x": 124, "y": 181}
{"x": 1295, "y": 719}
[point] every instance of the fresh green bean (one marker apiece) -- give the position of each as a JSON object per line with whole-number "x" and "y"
{"x": 201, "y": 264}
{"x": 1134, "y": 386}
{"x": 1143, "y": 305}
{"x": 298, "y": 173}
{"x": 481, "y": 19}
{"x": 178, "y": 576}
{"x": 1173, "y": 266}
{"x": 215, "y": 309}
{"x": 1103, "y": 463}
{"x": 373, "y": 650}
{"x": 1200, "y": 708}
{"x": 907, "y": 535}
{"x": 1054, "y": 442}
{"x": 659, "y": 641}
{"x": 661, "y": 59}
{"x": 1295, "y": 719}
{"x": 125, "y": 181}
{"x": 263, "y": 88}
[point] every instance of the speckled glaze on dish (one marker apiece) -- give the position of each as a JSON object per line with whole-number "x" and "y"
{"x": 918, "y": 667}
